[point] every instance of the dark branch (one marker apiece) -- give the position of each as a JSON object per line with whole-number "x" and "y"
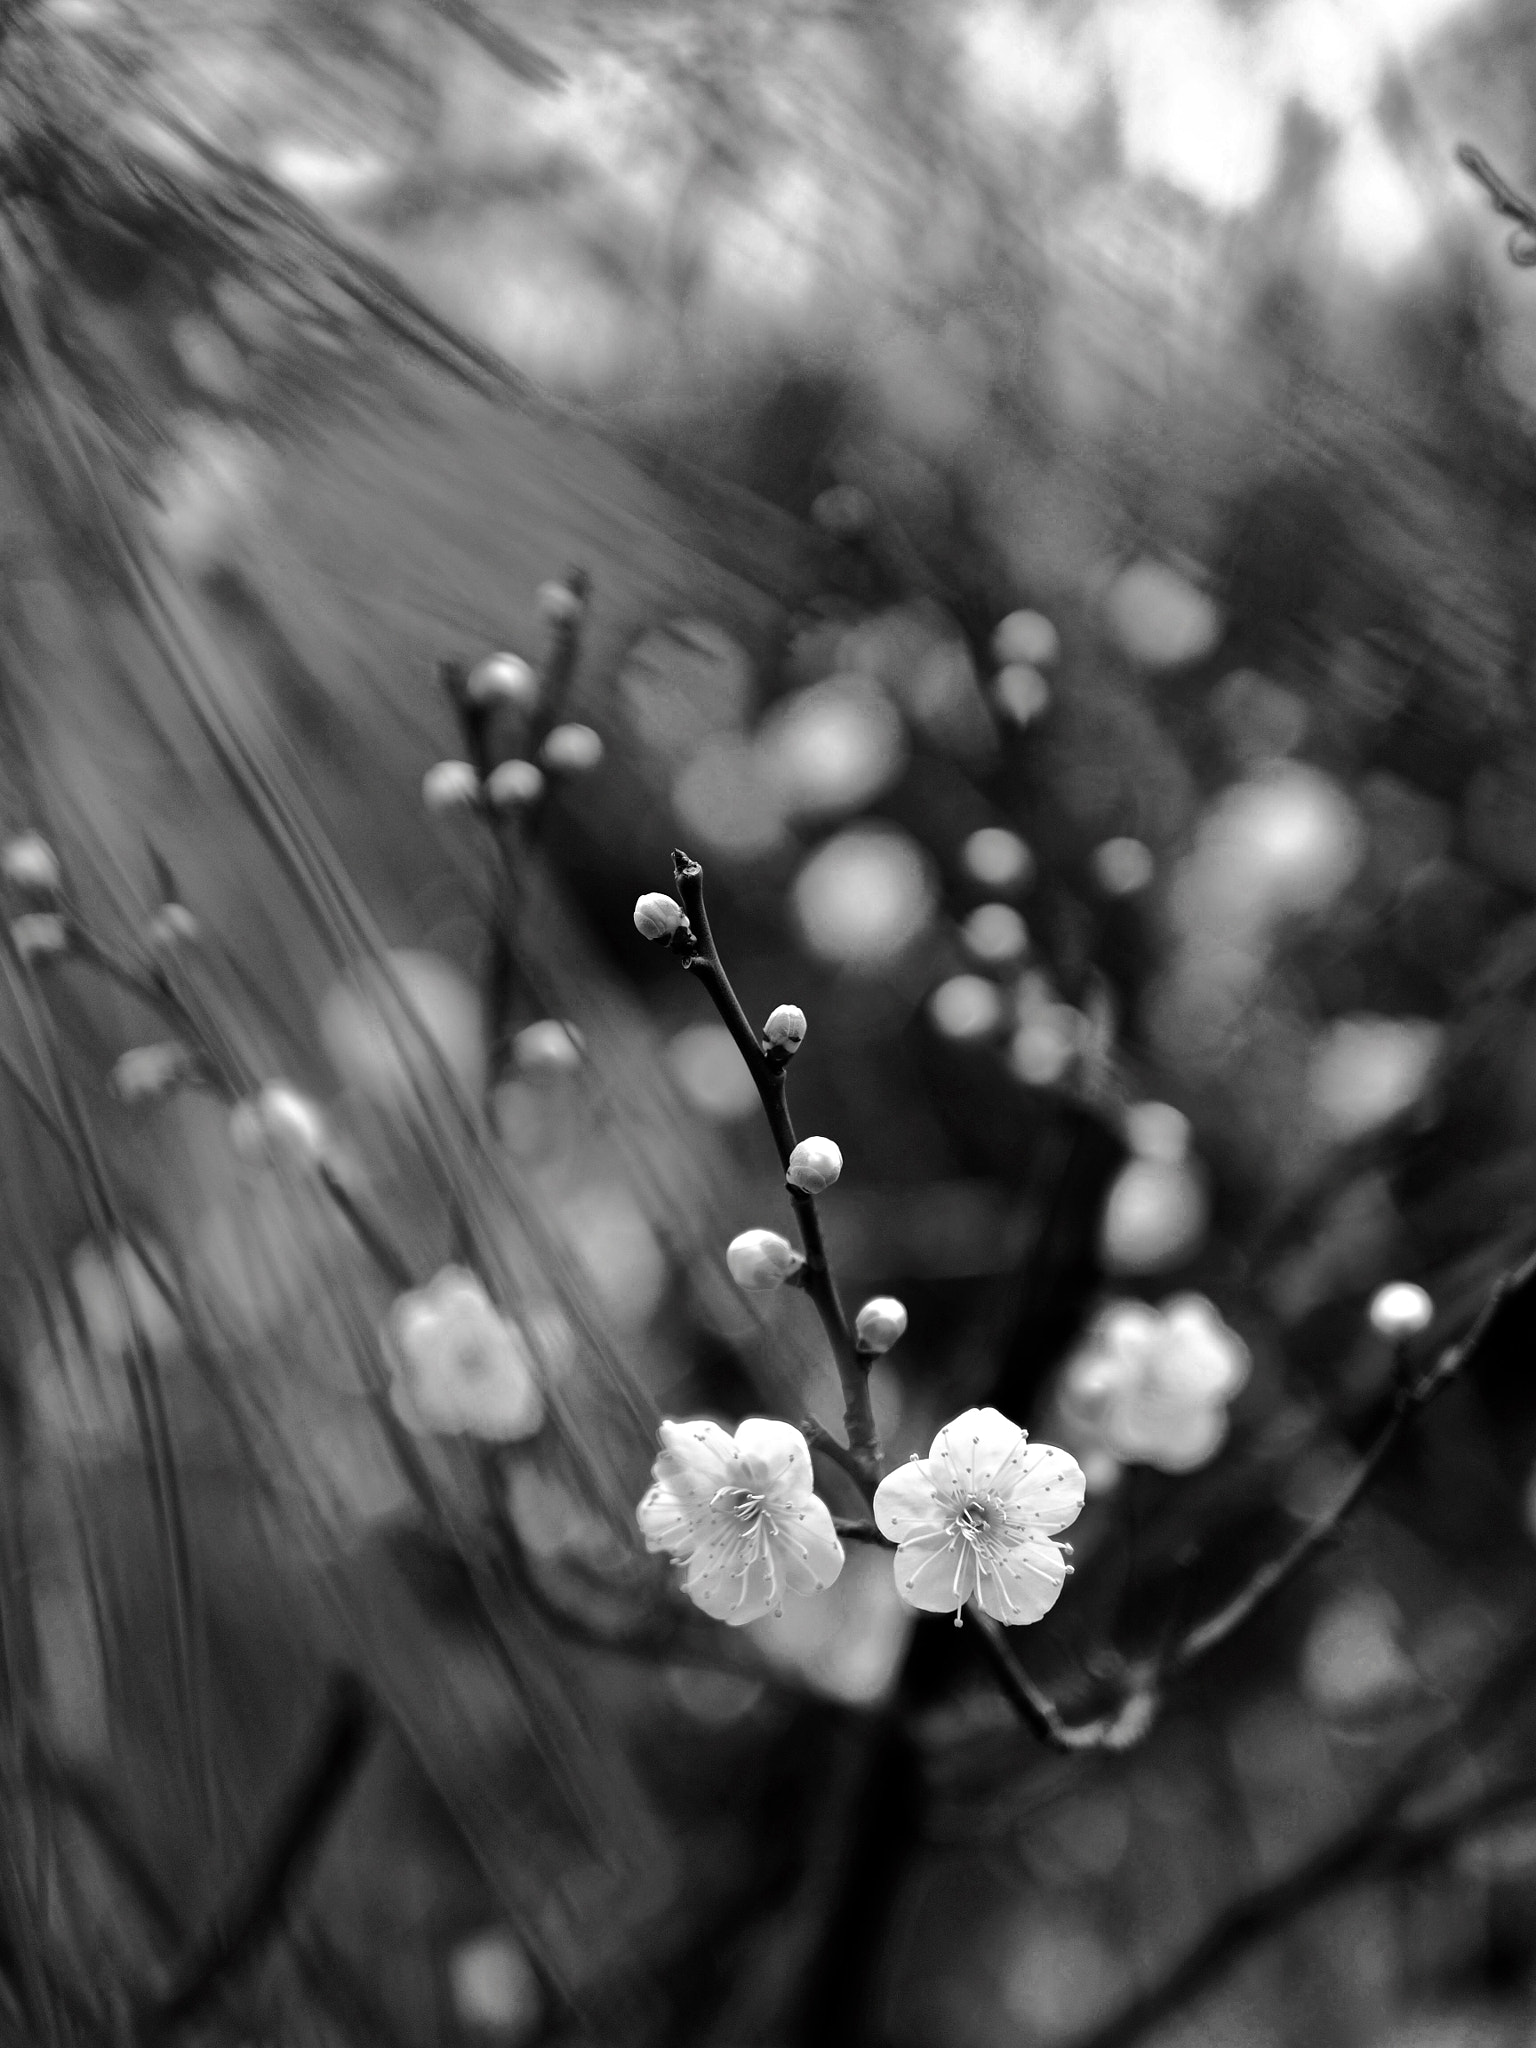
{"x": 702, "y": 958}
{"x": 256, "y": 1902}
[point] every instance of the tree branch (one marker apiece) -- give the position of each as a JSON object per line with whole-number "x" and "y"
{"x": 254, "y": 1905}
{"x": 702, "y": 958}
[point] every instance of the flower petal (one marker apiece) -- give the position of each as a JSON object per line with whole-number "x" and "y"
{"x": 697, "y": 1458}
{"x": 976, "y": 1453}
{"x": 808, "y": 1551}
{"x": 665, "y": 1521}
{"x": 1199, "y": 1351}
{"x": 1045, "y": 1489}
{"x": 1175, "y": 1436}
{"x": 1023, "y": 1583}
{"x": 906, "y": 1504}
{"x": 777, "y": 1458}
{"x": 738, "y": 1596}
{"x": 936, "y": 1573}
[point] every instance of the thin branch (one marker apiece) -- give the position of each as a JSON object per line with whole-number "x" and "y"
{"x": 1409, "y": 1401}
{"x": 1507, "y": 201}
{"x": 254, "y": 1906}
{"x": 702, "y": 958}
{"x": 1375, "y": 1846}
{"x": 1379, "y": 1843}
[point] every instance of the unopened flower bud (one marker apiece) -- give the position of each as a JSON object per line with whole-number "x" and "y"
{"x": 171, "y": 926}
{"x": 450, "y": 786}
{"x": 502, "y": 679}
{"x": 571, "y": 750}
{"x": 548, "y": 1047}
{"x": 147, "y": 1072}
{"x": 29, "y": 862}
{"x": 658, "y": 916}
{"x": 814, "y": 1165}
{"x": 1400, "y": 1311}
{"x": 880, "y": 1323}
{"x": 785, "y": 1028}
{"x": 761, "y": 1258}
{"x": 278, "y": 1123}
{"x": 514, "y": 784}
{"x": 559, "y": 604}
{"x": 40, "y": 935}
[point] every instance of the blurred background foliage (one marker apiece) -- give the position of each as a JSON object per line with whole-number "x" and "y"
{"x": 1056, "y": 485}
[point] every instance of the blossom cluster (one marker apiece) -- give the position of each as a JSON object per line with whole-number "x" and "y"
{"x": 972, "y": 1522}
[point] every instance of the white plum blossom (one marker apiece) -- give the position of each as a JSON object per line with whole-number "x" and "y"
{"x": 1151, "y": 1385}
{"x": 761, "y": 1258}
{"x": 814, "y": 1166}
{"x": 974, "y": 1520}
{"x": 740, "y": 1512}
{"x": 459, "y": 1368}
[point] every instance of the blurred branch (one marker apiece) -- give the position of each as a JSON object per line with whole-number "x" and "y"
{"x": 1506, "y": 200}
{"x": 697, "y": 949}
{"x": 1408, "y": 1401}
{"x": 255, "y": 1904}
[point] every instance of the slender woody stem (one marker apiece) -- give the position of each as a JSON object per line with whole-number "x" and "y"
{"x": 1271, "y": 1578}
{"x": 701, "y": 957}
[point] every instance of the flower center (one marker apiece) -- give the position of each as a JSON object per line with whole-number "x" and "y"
{"x": 748, "y": 1508}
{"x": 975, "y": 1523}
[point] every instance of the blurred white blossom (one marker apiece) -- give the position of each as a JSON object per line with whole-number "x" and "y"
{"x": 1150, "y": 1386}
{"x": 458, "y": 1367}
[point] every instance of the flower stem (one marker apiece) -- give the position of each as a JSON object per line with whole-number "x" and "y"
{"x": 701, "y": 957}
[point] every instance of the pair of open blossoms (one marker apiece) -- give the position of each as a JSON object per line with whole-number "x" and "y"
{"x": 972, "y": 1522}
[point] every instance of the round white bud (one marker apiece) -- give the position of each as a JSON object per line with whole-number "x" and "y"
{"x": 512, "y": 784}
{"x": 548, "y": 1047}
{"x": 658, "y": 916}
{"x": 29, "y": 862}
{"x": 559, "y": 605}
{"x": 450, "y": 786}
{"x": 278, "y": 1123}
{"x": 1400, "y": 1310}
{"x": 171, "y": 926}
{"x": 147, "y": 1072}
{"x": 40, "y": 935}
{"x": 502, "y": 679}
{"x": 880, "y": 1323}
{"x": 1121, "y": 867}
{"x": 785, "y": 1027}
{"x": 1025, "y": 636}
{"x": 760, "y": 1259}
{"x": 571, "y": 750}
{"x": 814, "y": 1165}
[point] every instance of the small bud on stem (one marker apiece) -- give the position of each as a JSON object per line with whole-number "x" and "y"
{"x": 450, "y": 786}
{"x": 785, "y": 1029}
{"x": 657, "y": 916}
{"x": 879, "y": 1324}
{"x": 760, "y": 1259}
{"x": 814, "y": 1166}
